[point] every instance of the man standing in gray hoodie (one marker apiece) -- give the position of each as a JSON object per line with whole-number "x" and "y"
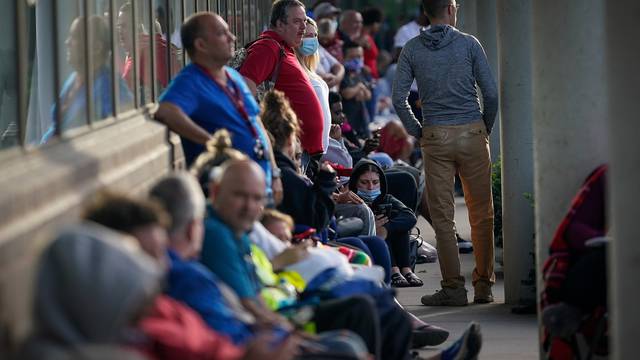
{"x": 454, "y": 137}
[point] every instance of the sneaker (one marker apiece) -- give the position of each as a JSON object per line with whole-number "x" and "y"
{"x": 467, "y": 347}
{"x": 428, "y": 335}
{"x": 447, "y": 297}
{"x": 464, "y": 246}
{"x": 482, "y": 293}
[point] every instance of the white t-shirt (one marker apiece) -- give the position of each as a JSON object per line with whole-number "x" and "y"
{"x": 327, "y": 61}
{"x": 322, "y": 92}
{"x": 405, "y": 33}
{"x": 266, "y": 241}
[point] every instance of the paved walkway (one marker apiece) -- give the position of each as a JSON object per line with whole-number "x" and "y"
{"x": 505, "y": 336}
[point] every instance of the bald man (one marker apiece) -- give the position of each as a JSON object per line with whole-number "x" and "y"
{"x": 207, "y": 86}
{"x": 351, "y": 24}
{"x": 237, "y": 202}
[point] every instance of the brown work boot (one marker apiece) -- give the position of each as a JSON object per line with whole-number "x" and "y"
{"x": 482, "y": 293}
{"x": 447, "y": 297}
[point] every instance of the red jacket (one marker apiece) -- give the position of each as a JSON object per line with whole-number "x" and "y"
{"x": 175, "y": 331}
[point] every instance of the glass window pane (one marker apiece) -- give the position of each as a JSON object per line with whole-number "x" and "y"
{"x": 126, "y": 66}
{"x": 202, "y": 5}
{"x": 9, "y": 134}
{"x": 136, "y": 64}
{"x": 175, "y": 21}
{"x": 189, "y": 7}
{"x": 70, "y": 101}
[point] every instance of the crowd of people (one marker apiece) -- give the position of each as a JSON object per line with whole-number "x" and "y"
{"x": 293, "y": 225}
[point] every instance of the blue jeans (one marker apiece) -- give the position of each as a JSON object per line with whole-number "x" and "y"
{"x": 376, "y": 248}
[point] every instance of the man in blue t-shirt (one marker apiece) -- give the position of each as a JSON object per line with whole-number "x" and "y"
{"x": 207, "y": 96}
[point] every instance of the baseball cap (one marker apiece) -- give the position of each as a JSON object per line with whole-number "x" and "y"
{"x": 325, "y": 9}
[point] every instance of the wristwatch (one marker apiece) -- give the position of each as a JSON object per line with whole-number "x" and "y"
{"x": 275, "y": 173}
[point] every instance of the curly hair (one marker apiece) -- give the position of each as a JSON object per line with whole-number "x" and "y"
{"x": 278, "y": 118}
{"x": 219, "y": 150}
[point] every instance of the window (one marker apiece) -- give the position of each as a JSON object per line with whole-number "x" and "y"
{"x": 9, "y": 127}
{"x": 66, "y": 66}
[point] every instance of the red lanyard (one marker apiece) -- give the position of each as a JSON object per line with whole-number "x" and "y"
{"x": 234, "y": 94}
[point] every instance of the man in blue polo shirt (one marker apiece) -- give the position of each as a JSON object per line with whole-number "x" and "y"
{"x": 207, "y": 95}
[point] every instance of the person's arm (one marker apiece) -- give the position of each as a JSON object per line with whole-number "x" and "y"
{"x": 337, "y": 69}
{"x": 402, "y": 218}
{"x": 401, "y": 86}
{"x": 350, "y": 92}
{"x": 252, "y": 85}
{"x": 291, "y": 255}
{"x": 172, "y": 116}
{"x": 486, "y": 82}
{"x": 264, "y": 316}
{"x": 366, "y": 93}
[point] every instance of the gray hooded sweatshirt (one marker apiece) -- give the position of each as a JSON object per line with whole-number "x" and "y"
{"x": 91, "y": 284}
{"x": 446, "y": 64}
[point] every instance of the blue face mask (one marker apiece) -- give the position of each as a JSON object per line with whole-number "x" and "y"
{"x": 309, "y": 46}
{"x": 369, "y": 195}
{"x": 354, "y": 65}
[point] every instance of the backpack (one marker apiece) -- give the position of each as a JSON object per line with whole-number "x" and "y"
{"x": 241, "y": 54}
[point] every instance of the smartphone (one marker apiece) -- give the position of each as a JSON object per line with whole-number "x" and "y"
{"x": 297, "y": 238}
{"x": 384, "y": 209}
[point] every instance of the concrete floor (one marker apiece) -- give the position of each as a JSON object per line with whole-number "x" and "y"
{"x": 505, "y": 336}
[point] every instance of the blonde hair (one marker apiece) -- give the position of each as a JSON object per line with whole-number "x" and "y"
{"x": 310, "y": 63}
{"x": 271, "y": 215}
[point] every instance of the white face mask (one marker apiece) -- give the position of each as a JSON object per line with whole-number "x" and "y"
{"x": 334, "y": 25}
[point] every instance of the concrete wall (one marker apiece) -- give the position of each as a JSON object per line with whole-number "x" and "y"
{"x": 623, "y": 51}
{"x": 569, "y": 106}
{"x": 44, "y": 188}
{"x": 514, "y": 38}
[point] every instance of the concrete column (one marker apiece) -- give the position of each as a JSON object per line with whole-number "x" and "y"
{"x": 623, "y": 52}
{"x": 569, "y": 101}
{"x": 514, "y": 41}
{"x": 487, "y": 30}
{"x": 467, "y": 18}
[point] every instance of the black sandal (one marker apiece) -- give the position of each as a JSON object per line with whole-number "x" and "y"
{"x": 413, "y": 280}
{"x": 398, "y": 281}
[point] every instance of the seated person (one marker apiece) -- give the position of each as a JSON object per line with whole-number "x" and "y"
{"x": 175, "y": 330}
{"x": 108, "y": 275}
{"x": 394, "y": 220}
{"x": 237, "y": 197}
{"x": 344, "y": 136}
{"x": 308, "y": 201}
{"x": 321, "y": 257}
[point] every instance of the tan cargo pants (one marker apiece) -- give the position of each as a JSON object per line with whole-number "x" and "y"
{"x": 447, "y": 149}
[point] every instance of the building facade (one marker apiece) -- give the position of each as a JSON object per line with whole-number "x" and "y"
{"x": 79, "y": 80}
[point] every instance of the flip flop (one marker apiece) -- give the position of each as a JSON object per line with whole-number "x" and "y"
{"x": 413, "y": 280}
{"x": 398, "y": 281}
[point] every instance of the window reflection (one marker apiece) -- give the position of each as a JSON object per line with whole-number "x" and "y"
{"x": 68, "y": 81}
{"x": 9, "y": 134}
{"x": 168, "y": 43}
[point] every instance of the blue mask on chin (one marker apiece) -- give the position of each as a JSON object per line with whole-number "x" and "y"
{"x": 309, "y": 46}
{"x": 369, "y": 195}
